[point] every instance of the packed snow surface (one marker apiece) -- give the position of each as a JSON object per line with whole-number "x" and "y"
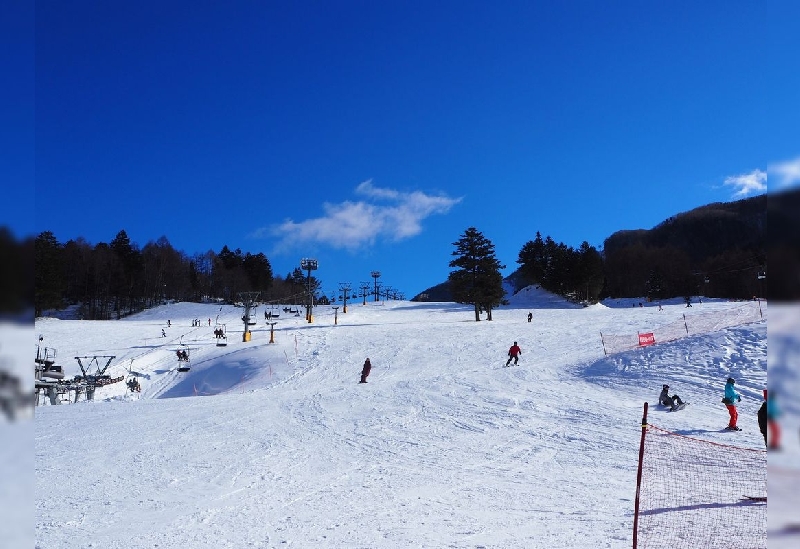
{"x": 277, "y": 444}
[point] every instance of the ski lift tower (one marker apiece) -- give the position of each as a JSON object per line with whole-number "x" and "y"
{"x": 376, "y": 275}
{"x": 48, "y": 375}
{"x": 97, "y": 379}
{"x": 309, "y": 265}
{"x": 248, "y": 299}
{"x": 363, "y": 292}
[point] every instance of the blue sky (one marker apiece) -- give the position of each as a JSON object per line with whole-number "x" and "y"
{"x": 370, "y": 135}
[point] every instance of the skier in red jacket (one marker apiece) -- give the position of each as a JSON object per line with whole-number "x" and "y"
{"x": 513, "y": 353}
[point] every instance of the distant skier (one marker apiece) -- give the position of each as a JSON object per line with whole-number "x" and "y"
{"x": 168, "y": 323}
{"x": 513, "y": 354}
{"x": 672, "y": 401}
{"x": 365, "y": 371}
{"x": 730, "y": 399}
{"x": 163, "y": 333}
{"x": 530, "y": 317}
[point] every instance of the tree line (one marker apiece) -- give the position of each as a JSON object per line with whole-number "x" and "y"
{"x": 556, "y": 267}
{"x": 561, "y": 269}
{"x": 118, "y": 278}
{"x": 718, "y": 250}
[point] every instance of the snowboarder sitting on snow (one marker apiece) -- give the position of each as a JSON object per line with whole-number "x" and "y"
{"x": 513, "y": 354}
{"x": 365, "y": 371}
{"x": 672, "y": 401}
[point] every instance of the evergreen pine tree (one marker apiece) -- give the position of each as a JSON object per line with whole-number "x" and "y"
{"x": 478, "y": 280}
{"x": 532, "y": 260}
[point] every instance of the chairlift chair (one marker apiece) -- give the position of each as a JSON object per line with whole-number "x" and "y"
{"x": 132, "y": 382}
{"x": 221, "y": 335}
{"x": 183, "y": 359}
{"x": 63, "y": 395}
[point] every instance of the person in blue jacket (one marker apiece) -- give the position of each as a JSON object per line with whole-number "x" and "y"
{"x": 730, "y": 399}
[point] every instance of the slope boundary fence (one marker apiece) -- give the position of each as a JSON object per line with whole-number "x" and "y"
{"x": 696, "y": 493}
{"x": 691, "y": 324}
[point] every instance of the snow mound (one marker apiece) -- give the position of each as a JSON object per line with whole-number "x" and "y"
{"x": 537, "y": 298}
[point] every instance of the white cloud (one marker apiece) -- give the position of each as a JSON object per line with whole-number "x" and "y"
{"x": 368, "y": 189}
{"x": 383, "y": 214}
{"x": 748, "y": 183}
{"x": 787, "y": 174}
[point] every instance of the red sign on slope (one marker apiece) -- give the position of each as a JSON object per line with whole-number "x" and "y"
{"x": 646, "y": 339}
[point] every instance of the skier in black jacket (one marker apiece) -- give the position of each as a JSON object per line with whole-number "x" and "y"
{"x": 672, "y": 401}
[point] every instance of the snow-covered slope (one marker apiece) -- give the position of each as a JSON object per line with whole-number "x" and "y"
{"x": 276, "y": 445}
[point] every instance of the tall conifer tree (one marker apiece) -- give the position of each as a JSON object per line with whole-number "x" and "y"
{"x": 478, "y": 280}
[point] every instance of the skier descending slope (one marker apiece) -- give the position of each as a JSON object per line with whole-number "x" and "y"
{"x": 513, "y": 354}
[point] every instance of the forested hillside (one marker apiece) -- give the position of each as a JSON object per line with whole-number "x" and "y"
{"x": 716, "y": 250}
